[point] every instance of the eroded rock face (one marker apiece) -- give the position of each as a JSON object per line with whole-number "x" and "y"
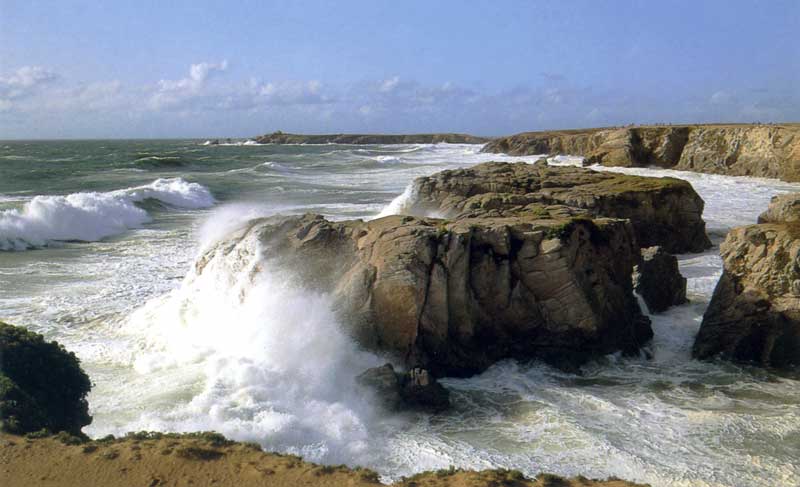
{"x": 663, "y": 211}
{"x": 658, "y": 280}
{"x": 754, "y": 314}
{"x": 738, "y": 150}
{"x": 784, "y": 208}
{"x": 453, "y": 297}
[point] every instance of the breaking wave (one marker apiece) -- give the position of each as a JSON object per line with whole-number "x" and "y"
{"x": 270, "y": 361}
{"x": 92, "y": 216}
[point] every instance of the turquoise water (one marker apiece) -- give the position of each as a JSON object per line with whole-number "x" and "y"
{"x": 100, "y": 239}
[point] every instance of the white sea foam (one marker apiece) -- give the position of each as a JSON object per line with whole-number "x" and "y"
{"x": 402, "y": 204}
{"x": 89, "y": 217}
{"x": 271, "y": 362}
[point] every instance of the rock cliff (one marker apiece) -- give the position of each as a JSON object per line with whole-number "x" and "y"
{"x": 453, "y": 297}
{"x": 282, "y": 138}
{"x": 771, "y": 151}
{"x": 663, "y": 211}
{"x": 754, "y": 314}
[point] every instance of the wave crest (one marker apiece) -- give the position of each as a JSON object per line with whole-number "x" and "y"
{"x": 92, "y": 216}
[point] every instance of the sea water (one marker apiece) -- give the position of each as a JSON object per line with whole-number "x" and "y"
{"x": 99, "y": 241}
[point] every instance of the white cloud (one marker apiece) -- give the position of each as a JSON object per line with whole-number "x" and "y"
{"x": 179, "y": 93}
{"x": 387, "y": 86}
{"x": 720, "y": 98}
{"x": 23, "y": 82}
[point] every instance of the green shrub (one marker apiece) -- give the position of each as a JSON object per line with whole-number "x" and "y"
{"x": 42, "y": 385}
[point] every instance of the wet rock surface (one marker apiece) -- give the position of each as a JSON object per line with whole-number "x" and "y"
{"x": 658, "y": 280}
{"x": 754, "y": 314}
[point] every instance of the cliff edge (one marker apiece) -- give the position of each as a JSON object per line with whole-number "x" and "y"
{"x": 771, "y": 151}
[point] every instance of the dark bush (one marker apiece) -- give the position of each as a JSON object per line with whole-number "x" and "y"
{"x": 42, "y": 385}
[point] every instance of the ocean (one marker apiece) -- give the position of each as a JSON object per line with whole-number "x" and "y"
{"x": 98, "y": 241}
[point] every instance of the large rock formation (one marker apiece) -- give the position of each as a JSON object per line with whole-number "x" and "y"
{"x": 663, "y": 211}
{"x": 658, "y": 280}
{"x": 530, "y": 262}
{"x": 754, "y": 314}
{"x": 454, "y": 297}
{"x": 738, "y": 150}
{"x": 41, "y": 385}
{"x": 282, "y": 138}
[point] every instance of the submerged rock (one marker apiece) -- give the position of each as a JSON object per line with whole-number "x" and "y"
{"x": 737, "y": 150}
{"x": 415, "y": 389}
{"x": 658, "y": 280}
{"x": 754, "y": 314}
{"x": 42, "y": 385}
{"x": 663, "y": 211}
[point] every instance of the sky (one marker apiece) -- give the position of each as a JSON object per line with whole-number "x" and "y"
{"x": 154, "y": 69}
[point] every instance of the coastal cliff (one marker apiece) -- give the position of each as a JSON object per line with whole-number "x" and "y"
{"x": 754, "y": 314}
{"x": 771, "y": 151}
{"x": 356, "y": 139}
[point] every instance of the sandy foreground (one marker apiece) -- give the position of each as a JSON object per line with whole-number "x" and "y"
{"x": 210, "y": 460}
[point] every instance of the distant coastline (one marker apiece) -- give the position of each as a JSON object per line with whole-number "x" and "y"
{"x": 449, "y": 138}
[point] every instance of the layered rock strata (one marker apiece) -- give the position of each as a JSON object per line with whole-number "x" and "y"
{"x": 663, "y": 211}
{"x": 771, "y": 151}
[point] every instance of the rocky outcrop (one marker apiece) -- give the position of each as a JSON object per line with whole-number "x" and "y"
{"x": 663, "y": 211}
{"x": 282, "y": 138}
{"x": 784, "y": 208}
{"x": 658, "y": 280}
{"x": 453, "y": 297}
{"x": 414, "y": 389}
{"x": 771, "y": 151}
{"x": 41, "y": 385}
{"x": 754, "y": 314}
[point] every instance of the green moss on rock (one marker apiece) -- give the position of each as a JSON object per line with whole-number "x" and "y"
{"x": 42, "y": 385}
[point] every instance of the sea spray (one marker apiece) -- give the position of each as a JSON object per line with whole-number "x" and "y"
{"x": 270, "y": 361}
{"x": 92, "y": 216}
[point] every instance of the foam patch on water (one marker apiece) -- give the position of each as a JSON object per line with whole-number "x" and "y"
{"x": 89, "y": 217}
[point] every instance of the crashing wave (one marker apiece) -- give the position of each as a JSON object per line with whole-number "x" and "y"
{"x": 92, "y": 216}
{"x": 272, "y": 361}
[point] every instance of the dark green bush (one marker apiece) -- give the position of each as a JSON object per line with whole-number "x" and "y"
{"x": 42, "y": 385}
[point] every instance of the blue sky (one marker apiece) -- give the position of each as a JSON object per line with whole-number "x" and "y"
{"x": 203, "y": 69}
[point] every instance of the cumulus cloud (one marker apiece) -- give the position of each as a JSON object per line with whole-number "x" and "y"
{"x": 24, "y": 82}
{"x": 179, "y": 93}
